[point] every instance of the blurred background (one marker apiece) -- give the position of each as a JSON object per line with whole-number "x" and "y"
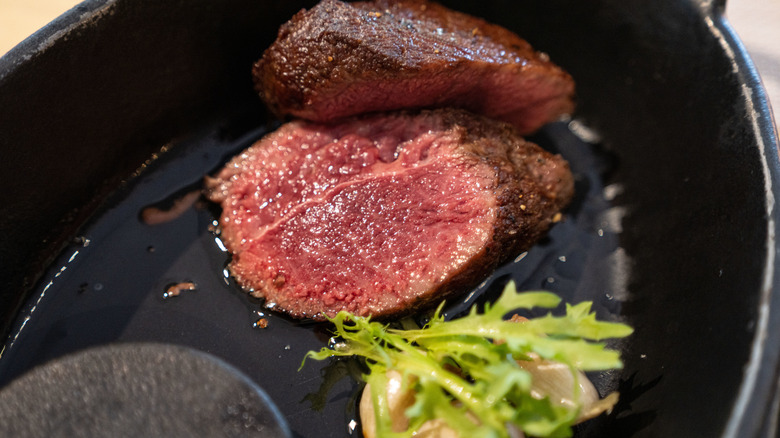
{"x": 756, "y": 21}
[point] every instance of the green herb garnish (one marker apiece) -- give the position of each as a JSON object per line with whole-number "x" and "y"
{"x": 465, "y": 372}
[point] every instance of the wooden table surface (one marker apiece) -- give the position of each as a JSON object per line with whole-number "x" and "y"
{"x": 756, "y": 21}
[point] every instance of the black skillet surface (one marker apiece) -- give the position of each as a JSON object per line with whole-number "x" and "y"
{"x": 672, "y": 229}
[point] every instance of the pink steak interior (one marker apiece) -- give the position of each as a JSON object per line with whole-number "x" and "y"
{"x": 359, "y": 216}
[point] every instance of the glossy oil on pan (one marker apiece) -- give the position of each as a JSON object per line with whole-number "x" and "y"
{"x": 123, "y": 105}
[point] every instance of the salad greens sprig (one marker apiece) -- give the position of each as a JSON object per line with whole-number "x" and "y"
{"x": 465, "y": 372}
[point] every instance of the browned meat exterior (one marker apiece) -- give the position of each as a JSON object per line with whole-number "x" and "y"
{"x": 383, "y": 214}
{"x": 340, "y": 59}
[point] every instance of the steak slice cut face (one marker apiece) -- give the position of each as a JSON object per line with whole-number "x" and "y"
{"x": 383, "y": 214}
{"x": 341, "y": 59}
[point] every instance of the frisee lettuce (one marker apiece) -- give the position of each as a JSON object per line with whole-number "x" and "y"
{"x": 461, "y": 369}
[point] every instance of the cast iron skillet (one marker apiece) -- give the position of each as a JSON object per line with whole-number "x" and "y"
{"x": 121, "y": 104}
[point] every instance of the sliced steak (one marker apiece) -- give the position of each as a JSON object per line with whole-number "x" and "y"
{"x": 340, "y": 59}
{"x": 383, "y": 214}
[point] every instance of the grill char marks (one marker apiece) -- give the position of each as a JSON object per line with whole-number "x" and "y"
{"x": 383, "y": 214}
{"x": 340, "y": 59}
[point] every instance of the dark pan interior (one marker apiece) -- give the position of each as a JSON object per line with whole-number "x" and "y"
{"x": 117, "y": 106}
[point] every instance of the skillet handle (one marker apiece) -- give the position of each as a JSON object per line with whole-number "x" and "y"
{"x": 712, "y": 7}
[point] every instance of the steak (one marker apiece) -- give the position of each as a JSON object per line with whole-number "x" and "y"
{"x": 341, "y": 59}
{"x": 383, "y": 214}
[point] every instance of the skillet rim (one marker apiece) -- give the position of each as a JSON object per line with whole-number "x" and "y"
{"x": 764, "y": 364}
{"x": 84, "y": 14}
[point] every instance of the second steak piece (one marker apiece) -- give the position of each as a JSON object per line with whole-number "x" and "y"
{"x": 384, "y": 214}
{"x": 340, "y": 59}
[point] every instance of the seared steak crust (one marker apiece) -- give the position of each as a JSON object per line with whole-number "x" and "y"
{"x": 340, "y": 59}
{"x": 383, "y": 214}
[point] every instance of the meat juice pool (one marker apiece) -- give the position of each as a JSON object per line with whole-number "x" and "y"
{"x": 127, "y": 278}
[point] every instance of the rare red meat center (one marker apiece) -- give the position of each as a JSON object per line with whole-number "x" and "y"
{"x": 383, "y": 214}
